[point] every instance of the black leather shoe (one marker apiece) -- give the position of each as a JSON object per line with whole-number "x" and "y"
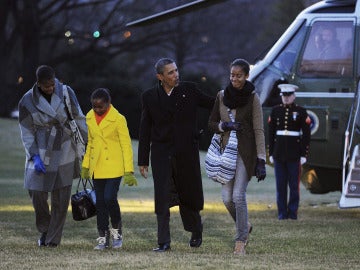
{"x": 52, "y": 245}
{"x": 195, "y": 242}
{"x": 41, "y": 241}
{"x": 162, "y": 248}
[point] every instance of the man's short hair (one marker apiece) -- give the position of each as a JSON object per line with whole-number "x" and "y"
{"x": 161, "y": 63}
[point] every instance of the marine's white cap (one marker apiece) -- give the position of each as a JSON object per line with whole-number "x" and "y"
{"x": 287, "y": 88}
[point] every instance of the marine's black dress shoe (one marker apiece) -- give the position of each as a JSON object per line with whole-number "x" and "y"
{"x": 162, "y": 248}
{"x": 41, "y": 241}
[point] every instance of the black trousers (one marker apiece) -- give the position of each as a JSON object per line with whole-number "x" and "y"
{"x": 191, "y": 221}
{"x": 191, "y": 218}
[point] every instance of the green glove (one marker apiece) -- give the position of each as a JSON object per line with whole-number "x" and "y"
{"x": 129, "y": 179}
{"x": 85, "y": 173}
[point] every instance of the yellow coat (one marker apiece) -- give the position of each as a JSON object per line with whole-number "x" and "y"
{"x": 109, "y": 151}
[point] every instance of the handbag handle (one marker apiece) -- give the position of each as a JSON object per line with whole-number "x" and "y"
{"x": 81, "y": 180}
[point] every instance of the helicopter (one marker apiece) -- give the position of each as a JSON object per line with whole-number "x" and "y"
{"x": 319, "y": 52}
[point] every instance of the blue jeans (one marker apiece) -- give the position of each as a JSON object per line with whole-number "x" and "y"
{"x": 234, "y": 198}
{"x": 107, "y": 204}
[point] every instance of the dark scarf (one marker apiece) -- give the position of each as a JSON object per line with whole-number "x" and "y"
{"x": 234, "y": 98}
{"x": 46, "y": 96}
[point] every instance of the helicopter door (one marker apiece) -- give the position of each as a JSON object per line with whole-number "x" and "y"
{"x": 325, "y": 75}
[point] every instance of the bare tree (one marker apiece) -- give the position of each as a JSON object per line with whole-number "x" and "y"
{"x": 54, "y": 32}
{"x": 93, "y": 33}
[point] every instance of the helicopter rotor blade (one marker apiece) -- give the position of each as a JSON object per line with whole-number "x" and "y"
{"x": 170, "y": 13}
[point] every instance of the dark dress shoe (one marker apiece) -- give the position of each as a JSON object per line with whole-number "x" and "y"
{"x": 196, "y": 239}
{"x": 52, "y": 245}
{"x": 41, "y": 240}
{"x": 162, "y": 248}
{"x": 195, "y": 242}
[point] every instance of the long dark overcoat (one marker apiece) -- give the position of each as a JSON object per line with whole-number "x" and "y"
{"x": 171, "y": 129}
{"x": 45, "y": 131}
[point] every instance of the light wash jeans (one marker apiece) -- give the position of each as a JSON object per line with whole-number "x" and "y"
{"x": 234, "y": 198}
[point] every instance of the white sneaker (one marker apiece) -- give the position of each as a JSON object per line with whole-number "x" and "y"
{"x": 102, "y": 243}
{"x": 116, "y": 238}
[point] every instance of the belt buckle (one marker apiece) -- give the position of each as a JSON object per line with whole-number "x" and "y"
{"x": 286, "y": 132}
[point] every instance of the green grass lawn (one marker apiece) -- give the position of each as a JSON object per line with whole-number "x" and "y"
{"x": 324, "y": 237}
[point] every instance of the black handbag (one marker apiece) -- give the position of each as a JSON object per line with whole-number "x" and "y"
{"x": 83, "y": 202}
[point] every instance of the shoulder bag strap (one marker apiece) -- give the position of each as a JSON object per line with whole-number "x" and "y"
{"x": 67, "y": 102}
{"x": 231, "y": 115}
{"x": 228, "y": 109}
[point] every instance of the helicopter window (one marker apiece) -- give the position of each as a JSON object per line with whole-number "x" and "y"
{"x": 285, "y": 60}
{"x": 329, "y": 50}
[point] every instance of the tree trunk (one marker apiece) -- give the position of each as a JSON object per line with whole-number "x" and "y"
{"x": 30, "y": 42}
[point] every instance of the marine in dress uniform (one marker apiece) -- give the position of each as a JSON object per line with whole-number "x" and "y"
{"x": 289, "y": 140}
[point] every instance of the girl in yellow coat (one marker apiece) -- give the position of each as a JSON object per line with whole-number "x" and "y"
{"x": 108, "y": 160}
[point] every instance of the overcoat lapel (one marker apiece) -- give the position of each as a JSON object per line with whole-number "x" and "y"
{"x": 43, "y": 105}
{"x": 109, "y": 119}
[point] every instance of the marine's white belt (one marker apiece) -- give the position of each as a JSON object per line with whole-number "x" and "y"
{"x": 287, "y": 133}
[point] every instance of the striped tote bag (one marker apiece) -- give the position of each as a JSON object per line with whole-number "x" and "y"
{"x": 228, "y": 160}
{"x": 220, "y": 166}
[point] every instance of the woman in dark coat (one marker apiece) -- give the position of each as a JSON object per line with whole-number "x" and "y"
{"x": 168, "y": 129}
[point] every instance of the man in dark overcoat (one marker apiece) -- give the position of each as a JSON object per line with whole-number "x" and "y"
{"x": 169, "y": 130}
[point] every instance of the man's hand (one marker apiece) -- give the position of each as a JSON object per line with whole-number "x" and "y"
{"x": 144, "y": 171}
